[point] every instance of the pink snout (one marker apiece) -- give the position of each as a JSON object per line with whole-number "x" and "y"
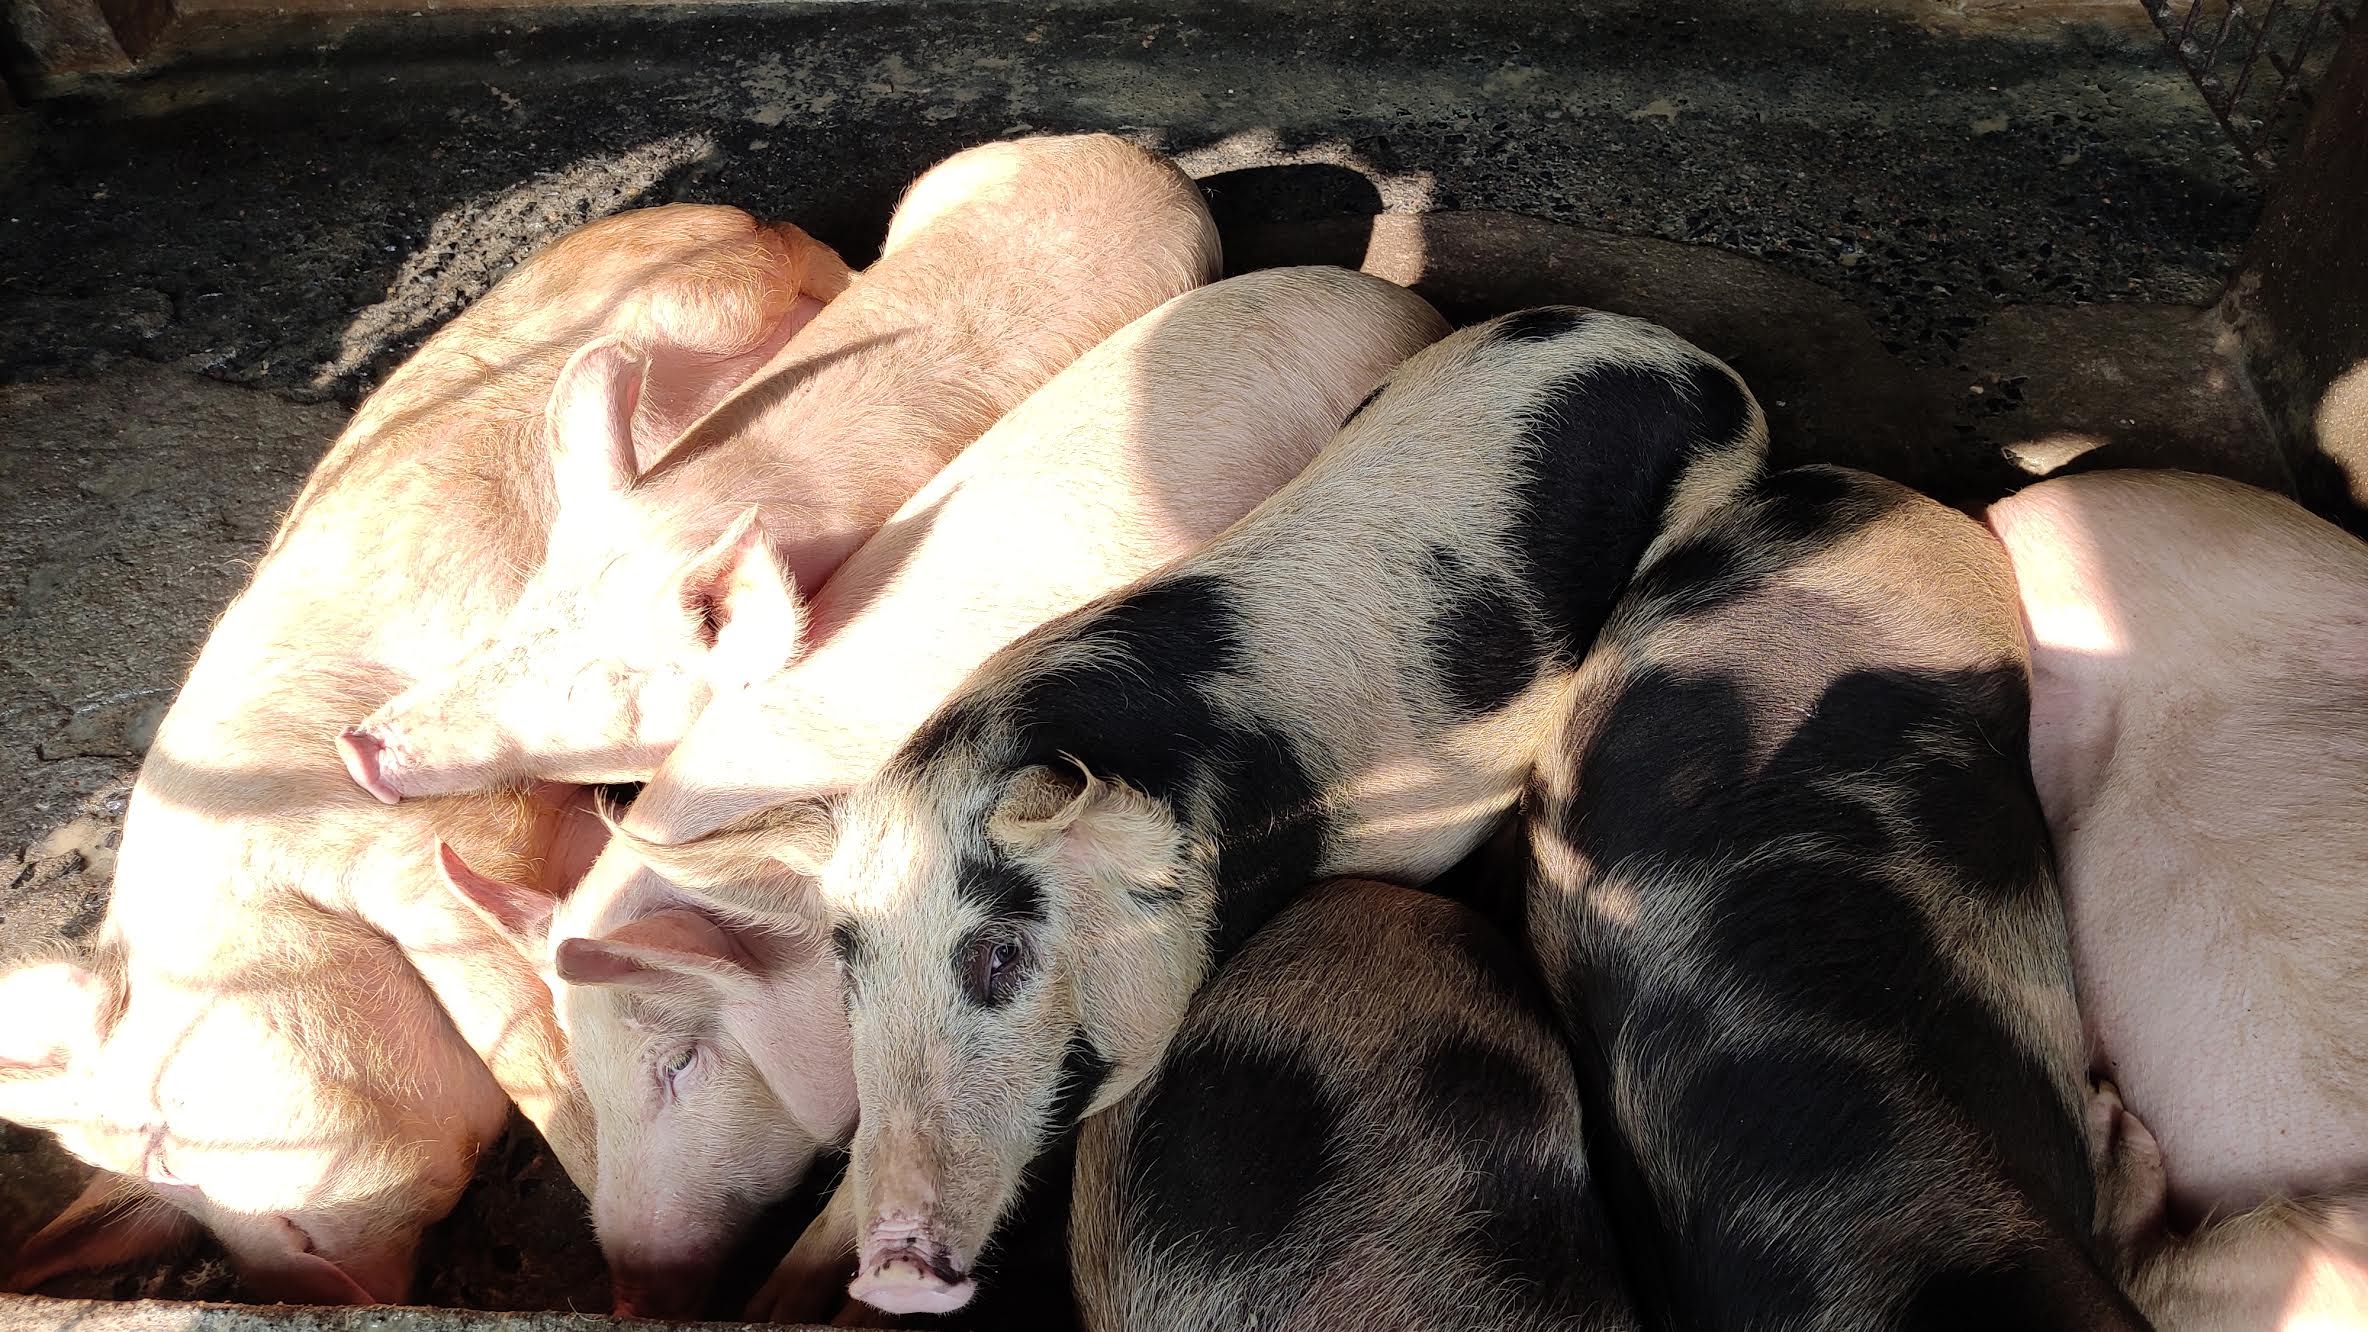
{"x": 908, "y": 1270}
{"x": 676, "y": 1290}
{"x": 365, "y": 761}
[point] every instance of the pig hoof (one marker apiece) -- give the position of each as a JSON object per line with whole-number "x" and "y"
{"x": 361, "y": 751}
{"x": 903, "y": 1286}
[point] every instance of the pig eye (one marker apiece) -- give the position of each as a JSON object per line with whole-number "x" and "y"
{"x": 993, "y": 968}
{"x": 679, "y": 1065}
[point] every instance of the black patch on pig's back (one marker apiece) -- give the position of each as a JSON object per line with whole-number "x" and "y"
{"x": 2041, "y": 1289}
{"x": 1481, "y": 645}
{"x": 1540, "y": 1225}
{"x": 1475, "y": 1090}
{"x": 1542, "y": 324}
{"x": 1135, "y": 707}
{"x": 1606, "y": 447}
{"x": 1230, "y": 1142}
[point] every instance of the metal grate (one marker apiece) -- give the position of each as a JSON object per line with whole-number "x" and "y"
{"x": 2255, "y": 63}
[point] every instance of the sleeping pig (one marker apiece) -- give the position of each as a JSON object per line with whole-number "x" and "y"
{"x": 1347, "y": 683}
{"x": 2199, "y": 733}
{"x": 1366, "y": 1120}
{"x": 671, "y": 578}
{"x": 1793, "y": 898}
{"x": 1135, "y": 456}
{"x": 292, "y": 1032}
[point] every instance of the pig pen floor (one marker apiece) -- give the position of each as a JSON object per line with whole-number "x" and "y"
{"x": 1957, "y": 243}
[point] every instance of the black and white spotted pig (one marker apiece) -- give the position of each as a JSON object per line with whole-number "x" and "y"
{"x": 1367, "y": 1121}
{"x": 1793, "y": 896}
{"x": 1349, "y": 682}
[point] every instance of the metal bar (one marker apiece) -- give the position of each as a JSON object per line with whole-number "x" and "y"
{"x": 2228, "y": 21}
{"x": 2252, "y": 57}
{"x": 2187, "y": 25}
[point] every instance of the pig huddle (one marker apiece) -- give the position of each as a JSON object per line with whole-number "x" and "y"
{"x": 1234, "y": 805}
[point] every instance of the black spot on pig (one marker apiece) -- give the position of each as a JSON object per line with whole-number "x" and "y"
{"x": 1475, "y": 1090}
{"x": 1608, "y": 444}
{"x": 1083, "y": 1071}
{"x": 1543, "y": 324}
{"x": 1540, "y": 1225}
{"x": 1480, "y": 644}
{"x": 1829, "y": 936}
{"x": 1135, "y": 707}
{"x": 2045, "y": 1290}
{"x": 1275, "y": 831}
{"x": 1749, "y": 1278}
{"x": 1003, "y": 890}
{"x": 1833, "y": 1120}
{"x": 1667, "y": 745}
{"x": 1230, "y": 1142}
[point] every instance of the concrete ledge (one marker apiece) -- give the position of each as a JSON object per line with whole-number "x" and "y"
{"x": 35, "y": 1313}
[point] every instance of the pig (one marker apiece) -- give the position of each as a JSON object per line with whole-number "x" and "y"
{"x": 1347, "y": 683}
{"x": 291, "y": 1031}
{"x": 1791, "y": 893}
{"x": 2199, "y": 735}
{"x": 1134, "y": 456}
{"x": 1367, "y": 1119}
{"x": 667, "y": 582}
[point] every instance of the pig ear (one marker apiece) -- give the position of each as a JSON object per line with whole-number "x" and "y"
{"x": 674, "y": 944}
{"x": 762, "y": 863}
{"x": 523, "y": 913}
{"x": 56, "y": 1012}
{"x": 1062, "y": 812}
{"x": 746, "y": 603}
{"x": 117, "y": 1220}
{"x": 590, "y": 418}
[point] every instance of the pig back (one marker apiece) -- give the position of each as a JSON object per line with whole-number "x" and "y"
{"x": 1791, "y": 890}
{"x": 1366, "y": 1120}
{"x": 2199, "y": 737}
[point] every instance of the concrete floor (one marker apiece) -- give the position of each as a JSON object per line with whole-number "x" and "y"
{"x": 1958, "y": 243}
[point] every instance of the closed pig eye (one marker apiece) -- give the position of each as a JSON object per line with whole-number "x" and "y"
{"x": 994, "y": 965}
{"x": 677, "y": 1067}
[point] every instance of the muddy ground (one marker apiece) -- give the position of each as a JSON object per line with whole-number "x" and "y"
{"x": 1957, "y": 243}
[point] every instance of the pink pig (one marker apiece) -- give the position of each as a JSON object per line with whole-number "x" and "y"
{"x": 292, "y": 1032}
{"x": 713, "y": 1012}
{"x": 2199, "y": 735}
{"x": 667, "y": 582}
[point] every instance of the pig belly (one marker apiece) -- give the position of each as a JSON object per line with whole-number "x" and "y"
{"x": 2192, "y": 1020}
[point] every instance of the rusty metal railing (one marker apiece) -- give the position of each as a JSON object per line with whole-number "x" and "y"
{"x": 2254, "y": 61}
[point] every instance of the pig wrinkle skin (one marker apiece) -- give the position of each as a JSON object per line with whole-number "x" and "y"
{"x": 292, "y": 1031}
{"x": 1792, "y": 894}
{"x": 667, "y": 583}
{"x": 1136, "y": 455}
{"x": 1347, "y": 682}
{"x": 2200, "y": 743}
{"x": 1364, "y": 1122}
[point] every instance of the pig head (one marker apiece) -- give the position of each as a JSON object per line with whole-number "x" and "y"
{"x": 209, "y": 1100}
{"x": 640, "y": 610}
{"x": 714, "y": 1056}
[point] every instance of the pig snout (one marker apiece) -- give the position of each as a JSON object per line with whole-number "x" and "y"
{"x": 905, "y": 1264}
{"x": 661, "y": 1286}
{"x": 907, "y": 1269}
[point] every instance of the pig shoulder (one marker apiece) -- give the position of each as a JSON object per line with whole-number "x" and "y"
{"x": 1366, "y": 1120}
{"x": 1793, "y": 895}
